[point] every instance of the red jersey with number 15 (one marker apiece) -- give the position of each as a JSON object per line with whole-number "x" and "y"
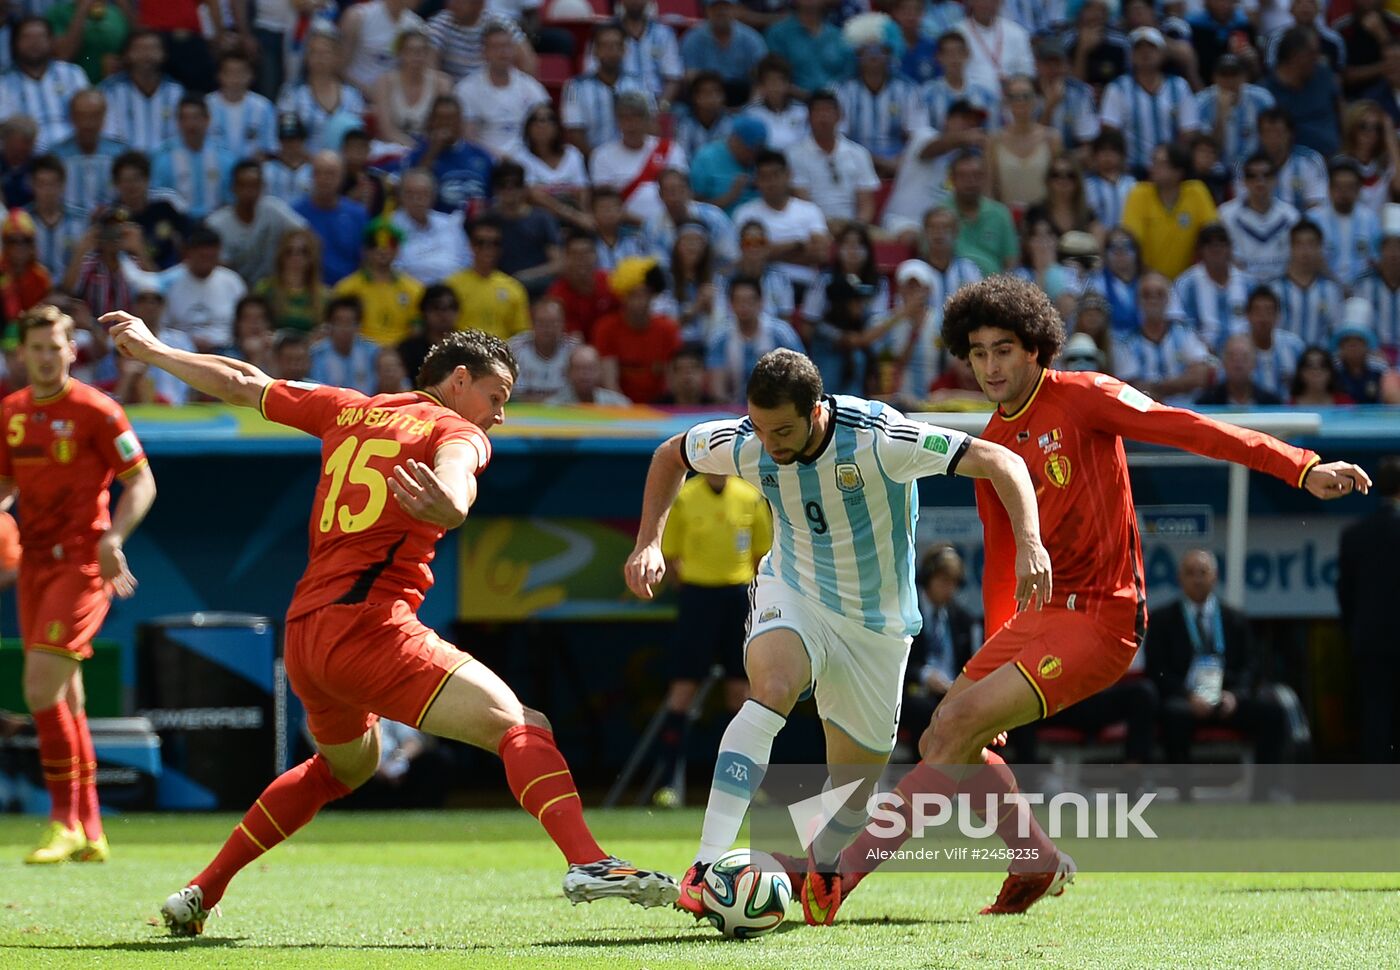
{"x": 364, "y": 547}
{"x": 1070, "y": 433}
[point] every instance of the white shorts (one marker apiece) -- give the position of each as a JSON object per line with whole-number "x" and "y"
{"x": 857, "y": 673}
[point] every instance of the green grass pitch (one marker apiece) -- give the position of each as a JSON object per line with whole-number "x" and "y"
{"x": 480, "y": 889}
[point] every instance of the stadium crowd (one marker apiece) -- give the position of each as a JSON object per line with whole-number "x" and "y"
{"x": 644, "y": 200}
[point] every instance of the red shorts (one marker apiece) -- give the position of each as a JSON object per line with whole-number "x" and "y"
{"x": 62, "y": 604}
{"x": 351, "y": 664}
{"x": 1066, "y": 656}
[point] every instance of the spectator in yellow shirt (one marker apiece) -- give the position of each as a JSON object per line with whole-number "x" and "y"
{"x": 718, "y": 530}
{"x": 389, "y": 299}
{"x": 1165, "y": 214}
{"x": 491, "y": 300}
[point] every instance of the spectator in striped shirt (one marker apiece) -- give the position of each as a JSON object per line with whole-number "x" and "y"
{"x": 1150, "y": 108}
{"x": 244, "y": 121}
{"x": 878, "y": 110}
{"x": 87, "y": 156}
{"x": 651, "y": 51}
{"x": 1066, "y": 103}
{"x": 456, "y": 33}
{"x": 1361, "y": 372}
{"x": 1213, "y": 292}
{"x": 141, "y": 101}
{"x": 587, "y": 104}
{"x": 58, "y": 227}
{"x": 952, "y": 272}
{"x": 97, "y": 273}
{"x": 193, "y": 164}
{"x": 1230, "y": 110}
{"x": 940, "y": 94}
{"x": 1277, "y": 353}
{"x": 703, "y": 119}
{"x": 1163, "y": 358}
{"x": 39, "y": 85}
{"x": 1381, "y": 286}
{"x": 322, "y": 94}
{"x": 1107, "y": 187}
{"x": 1309, "y": 298}
{"x": 1301, "y": 172}
{"x": 1351, "y": 233}
{"x": 287, "y": 175}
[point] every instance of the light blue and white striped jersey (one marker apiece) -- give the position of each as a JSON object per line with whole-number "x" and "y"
{"x": 937, "y": 97}
{"x": 843, "y": 521}
{"x": 587, "y": 103}
{"x": 1241, "y": 128}
{"x": 659, "y": 234}
{"x": 729, "y": 351}
{"x": 1302, "y": 179}
{"x": 45, "y": 99}
{"x": 1076, "y": 117}
{"x": 301, "y": 101}
{"x": 1212, "y": 310}
{"x": 655, "y": 58}
{"x": 961, "y": 272}
{"x": 1260, "y": 240}
{"x": 692, "y": 135}
{"x": 89, "y": 182}
{"x": 1309, "y": 311}
{"x": 1106, "y": 199}
{"x": 628, "y": 244}
{"x": 1274, "y": 368}
{"x": 246, "y": 128}
{"x": 925, "y": 357}
{"x": 1386, "y": 304}
{"x": 1036, "y": 15}
{"x": 1350, "y": 243}
{"x": 281, "y": 181}
{"x": 1138, "y": 360}
{"x": 1324, "y": 34}
{"x": 941, "y": 16}
{"x": 1145, "y": 119}
{"x": 880, "y": 121}
{"x": 54, "y": 244}
{"x": 144, "y": 123}
{"x": 201, "y": 178}
{"x": 355, "y": 370}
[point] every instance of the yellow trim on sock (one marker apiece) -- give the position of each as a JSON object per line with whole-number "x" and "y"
{"x": 251, "y": 838}
{"x": 558, "y": 798}
{"x": 526, "y": 790}
{"x": 280, "y": 832}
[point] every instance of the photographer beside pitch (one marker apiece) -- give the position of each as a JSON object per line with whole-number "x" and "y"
{"x": 1069, "y": 429}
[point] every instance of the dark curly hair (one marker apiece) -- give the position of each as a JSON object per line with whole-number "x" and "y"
{"x": 1010, "y": 303}
{"x": 479, "y": 352}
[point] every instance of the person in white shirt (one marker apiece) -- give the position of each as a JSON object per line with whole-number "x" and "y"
{"x": 585, "y": 375}
{"x": 251, "y": 229}
{"x": 543, "y": 353}
{"x": 998, "y": 47}
{"x": 434, "y": 245}
{"x": 783, "y": 115}
{"x": 367, "y": 32}
{"x": 796, "y": 228}
{"x": 922, "y": 182}
{"x": 1258, "y": 221}
{"x": 201, "y": 295}
{"x": 496, "y": 99}
{"x": 832, "y": 170}
{"x": 633, "y": 162}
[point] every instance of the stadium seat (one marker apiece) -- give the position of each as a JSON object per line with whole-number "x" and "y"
{"x": 882, "y": 195}
{"x": 889, "y": 254}
{"x": 678, "y": 11}
{"x": 553, "y": 70}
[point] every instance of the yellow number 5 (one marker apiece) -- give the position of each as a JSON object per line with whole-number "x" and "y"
{"x": 16, "y": 432}
{"x": 351, "y": 460}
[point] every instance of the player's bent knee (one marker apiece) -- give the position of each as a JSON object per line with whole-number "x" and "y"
{"x": 776, "y": 691}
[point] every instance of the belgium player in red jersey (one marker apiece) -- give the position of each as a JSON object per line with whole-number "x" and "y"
{"x": 398, "y": 470}
{"x": 1083, "y": 633}
{"x": 61, "y": 444}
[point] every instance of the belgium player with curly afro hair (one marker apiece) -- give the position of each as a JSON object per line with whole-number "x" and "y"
{"x": 996, "y": 317}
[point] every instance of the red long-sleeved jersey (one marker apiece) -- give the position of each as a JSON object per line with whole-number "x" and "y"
{"x": 1070, "y": 433}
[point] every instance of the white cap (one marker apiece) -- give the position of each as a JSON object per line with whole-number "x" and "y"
{"x": 1080, "y": 344}
{"x": 918, "y": 271}
{"x": 1150, "y": 35}
{"x": 1390, "y": 220}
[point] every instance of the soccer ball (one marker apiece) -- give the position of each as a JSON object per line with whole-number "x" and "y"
{"x": 745, "y": 894}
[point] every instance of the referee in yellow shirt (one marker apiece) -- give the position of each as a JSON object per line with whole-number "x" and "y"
{"x": 718, "y": 530}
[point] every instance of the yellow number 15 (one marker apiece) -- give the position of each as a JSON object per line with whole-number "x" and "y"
{"x": 351, "y": 460}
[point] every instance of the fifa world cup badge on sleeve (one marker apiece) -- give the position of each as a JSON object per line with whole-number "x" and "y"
{"x": 699, "y": 447}
{"x": 127, "y": 445}
{"x": 936, "y": 443}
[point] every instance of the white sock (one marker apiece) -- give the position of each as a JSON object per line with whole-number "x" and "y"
{"x": 839, "y": 832}
{"x": 743, "y": 759}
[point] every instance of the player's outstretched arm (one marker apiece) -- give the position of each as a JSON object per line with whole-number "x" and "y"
{"x": 138, "y": 495}
{"x": 645, "y": 567}
{"x": 228, "y": 380}
{"x": 1007, "y": 473}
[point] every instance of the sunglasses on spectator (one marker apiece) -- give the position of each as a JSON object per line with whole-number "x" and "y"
{"x": 1062, "y": 174}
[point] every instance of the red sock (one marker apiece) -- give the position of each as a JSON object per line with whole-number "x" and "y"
{"x": 89, "y": 813}
{"x": 540, "y": 781}
{"x": 58, "y": 757}
{"x": 285, "y": 806}
{"x": 997, "y": 780}
{"x": 865, "y": 854}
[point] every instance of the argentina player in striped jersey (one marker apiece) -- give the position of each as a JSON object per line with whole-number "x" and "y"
{"x": 834, "y": 606}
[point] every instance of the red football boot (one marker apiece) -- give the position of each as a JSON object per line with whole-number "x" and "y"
{"x": 1022, "y": 889}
